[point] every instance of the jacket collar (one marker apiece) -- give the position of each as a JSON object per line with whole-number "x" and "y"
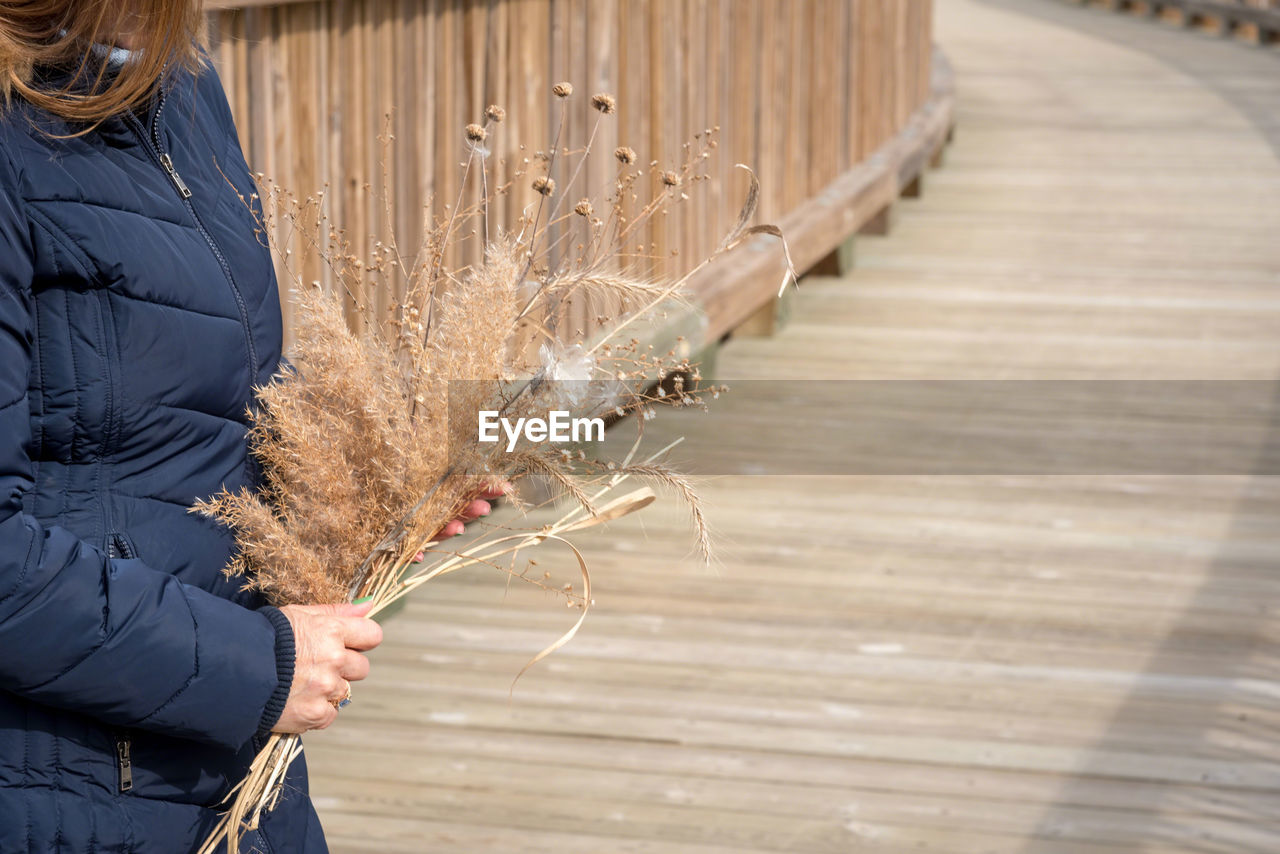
{"x": 115, "y": 127}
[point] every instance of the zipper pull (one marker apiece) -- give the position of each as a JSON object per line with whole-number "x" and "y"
{"x": 124, "y": 753}
{"x": 167, "y": 162}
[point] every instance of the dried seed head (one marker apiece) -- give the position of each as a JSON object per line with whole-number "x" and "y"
{"x": 624, "y": 154}
{"x": 562, "y": 90}
{"x": 544, "y": 185}
{"x": 604, "y": 102}
{"x": 584, "y": 208}
{"x": 494, "y": 113}
{"x": 670, "y": 178}
{"x": 476, "y": 133}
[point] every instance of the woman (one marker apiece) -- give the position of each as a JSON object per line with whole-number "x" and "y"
{"x": 138, "y": 309}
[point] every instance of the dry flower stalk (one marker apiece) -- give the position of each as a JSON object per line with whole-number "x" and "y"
{"x": 604, "y": 102}
{"x": 368, "y": 442}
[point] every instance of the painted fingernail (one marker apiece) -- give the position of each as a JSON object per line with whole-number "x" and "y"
{"x": 362, "y": 600}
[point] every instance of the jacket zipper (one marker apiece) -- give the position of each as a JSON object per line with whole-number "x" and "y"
{"x": 124, "y": 760}
{"x": 183, "y": 190}
{"x": 156, "y": 149}
{"x": 118, "y": 546}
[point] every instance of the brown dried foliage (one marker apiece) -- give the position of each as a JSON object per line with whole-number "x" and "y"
{"x": 368, "y": 441}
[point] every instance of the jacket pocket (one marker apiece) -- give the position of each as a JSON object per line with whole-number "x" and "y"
{"x": 163, "y": 768}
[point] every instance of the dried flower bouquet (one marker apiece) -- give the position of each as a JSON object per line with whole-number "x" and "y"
{"x": 368, "y": 441}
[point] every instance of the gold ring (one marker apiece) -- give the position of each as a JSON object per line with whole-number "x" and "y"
{"x": 345, "y": 701}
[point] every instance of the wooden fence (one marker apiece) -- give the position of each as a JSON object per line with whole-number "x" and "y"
{"x": 803, "y": 91}
{"x": 1258, "y": 20}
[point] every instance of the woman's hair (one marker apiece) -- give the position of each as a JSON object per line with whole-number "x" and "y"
{"x": 37, "y": 34}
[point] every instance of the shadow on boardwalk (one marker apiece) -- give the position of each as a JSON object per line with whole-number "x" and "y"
{"x": 1249, "y": 80}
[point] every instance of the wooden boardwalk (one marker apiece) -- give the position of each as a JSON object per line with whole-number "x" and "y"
{"x": 1067, "y": 665}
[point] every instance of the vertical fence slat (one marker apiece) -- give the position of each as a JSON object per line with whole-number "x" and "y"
{"x": 800, "y": 91}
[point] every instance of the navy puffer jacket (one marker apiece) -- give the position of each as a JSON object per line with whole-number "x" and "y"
{"x": 138, "y": 308}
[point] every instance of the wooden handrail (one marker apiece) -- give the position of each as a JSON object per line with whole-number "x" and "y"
{"x": 1262, "y": 15}
{"x": 731, "y": 290}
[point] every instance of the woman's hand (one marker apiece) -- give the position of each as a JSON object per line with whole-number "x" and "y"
{"x": 474, "y": 510}
{"x": 328, "y": 642}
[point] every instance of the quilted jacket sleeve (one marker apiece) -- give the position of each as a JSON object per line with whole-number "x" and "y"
{"x": 113, "y": 639}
